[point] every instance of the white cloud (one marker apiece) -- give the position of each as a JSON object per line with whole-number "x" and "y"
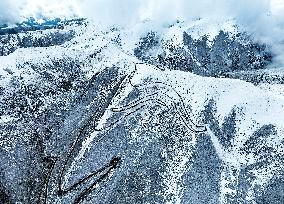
{"x": 128, "y": 11}
{"x": 50, "y": 8}
{"x": 10, "y": 10}
{"x": 122, "y": 12}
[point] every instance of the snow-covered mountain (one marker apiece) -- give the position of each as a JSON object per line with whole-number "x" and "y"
{"x": 185, "y": 113}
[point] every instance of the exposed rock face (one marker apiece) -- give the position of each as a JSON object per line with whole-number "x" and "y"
{"x": 83, "y": 120}
{"x": 223, "y": 54}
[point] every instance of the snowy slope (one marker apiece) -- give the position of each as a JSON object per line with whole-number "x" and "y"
{"x": 122, "y": 116}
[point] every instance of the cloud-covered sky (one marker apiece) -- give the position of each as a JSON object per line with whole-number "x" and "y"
{"x": 259, "y": 16}
{"x": 129, "y": 11}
